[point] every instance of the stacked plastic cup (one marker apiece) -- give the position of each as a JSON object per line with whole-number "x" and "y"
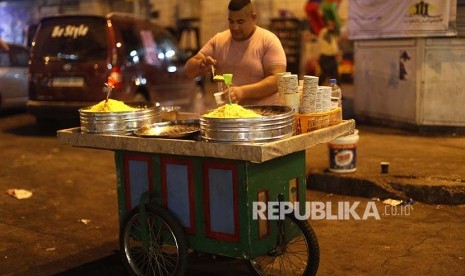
{"x": 281, "y": 88}
{"x": 324, "y": 103}
{"x": 323, "y": 99}
{"x": 309, "y": 94}
{"x": 290, "y": 85}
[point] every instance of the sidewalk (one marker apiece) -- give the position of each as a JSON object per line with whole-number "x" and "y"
{"x": 425, "y": 167}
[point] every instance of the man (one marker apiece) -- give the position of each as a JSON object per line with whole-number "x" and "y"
{"x": 329, "y": 53}
{"x": 252, "y": 54}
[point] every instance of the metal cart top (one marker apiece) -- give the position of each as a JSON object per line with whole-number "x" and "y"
{"x": 256, "y": 153}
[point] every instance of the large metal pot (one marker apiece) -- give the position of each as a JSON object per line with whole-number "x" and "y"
{"x": 277, "y": 122}
{"x": 121, "y": 123}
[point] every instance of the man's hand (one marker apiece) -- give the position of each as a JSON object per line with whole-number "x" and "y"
{"x": 205, "y": 64}
{"x": 236, "y": 92}
{"x": 198, "y": 65}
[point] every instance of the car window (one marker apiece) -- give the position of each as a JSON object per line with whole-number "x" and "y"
{"x": 150, "y": 49}
{"x": 74, "y": 38}
{"x": 167, "y": 48}
{"x": 4, "y": 59}
{"x": 133, "y": 49}
{"x": 19, "y": 57}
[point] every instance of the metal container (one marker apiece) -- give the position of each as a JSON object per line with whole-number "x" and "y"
{"x": 169, "y": 129}
{"x": 277, "y": 122}
{"x": 169, "y": 113}
{"x": 121, "y": 123}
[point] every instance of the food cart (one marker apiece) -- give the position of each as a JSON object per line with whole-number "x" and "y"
{"x": 200, "y": 195}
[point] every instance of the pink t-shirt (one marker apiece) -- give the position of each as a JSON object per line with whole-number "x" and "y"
{"x": 246, "y": 59}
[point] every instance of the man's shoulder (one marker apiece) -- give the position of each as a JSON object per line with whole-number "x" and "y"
{"x": 264, "y": 31}
{"x": 266, "y": 34}
{"x": 224, "y": 35}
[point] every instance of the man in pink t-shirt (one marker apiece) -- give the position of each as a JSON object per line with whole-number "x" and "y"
{"x": 252, "y": 54}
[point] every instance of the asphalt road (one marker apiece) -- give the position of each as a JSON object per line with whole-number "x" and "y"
{"x": 45, "y": 234}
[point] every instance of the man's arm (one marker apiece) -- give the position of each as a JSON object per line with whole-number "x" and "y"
{"x": 261, "y": 89}
{"x": 198, "y": 65}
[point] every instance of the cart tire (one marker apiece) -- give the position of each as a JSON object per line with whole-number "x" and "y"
{"x": 299, "y": 256}
{"x": 166, "y": 253}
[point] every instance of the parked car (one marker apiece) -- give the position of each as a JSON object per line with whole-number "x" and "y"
{"x": 72, "y": 57}
{"x": 13, "y": 76}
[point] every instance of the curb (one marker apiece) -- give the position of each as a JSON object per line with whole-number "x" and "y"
{"x": 426, "y": 190}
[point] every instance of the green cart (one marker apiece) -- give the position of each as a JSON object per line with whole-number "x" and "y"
{"x": 175, "y": 196}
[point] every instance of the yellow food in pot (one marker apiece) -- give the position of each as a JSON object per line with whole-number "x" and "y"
{"x": 111, "y": 106}
{"x": 232, "y": 111}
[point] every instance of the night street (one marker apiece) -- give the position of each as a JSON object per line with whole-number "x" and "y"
{"x": 69, "y": 226}
{"x": 232, "y": 137}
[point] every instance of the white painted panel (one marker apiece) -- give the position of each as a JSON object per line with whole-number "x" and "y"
{"x": 444, "y": 92}
{"x": 379, "y": 91}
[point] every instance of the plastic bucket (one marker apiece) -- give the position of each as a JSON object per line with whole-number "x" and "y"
{"x": 343, "y": 153}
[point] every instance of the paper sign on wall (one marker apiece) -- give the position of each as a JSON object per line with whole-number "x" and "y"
{"x": 401, "y": 18}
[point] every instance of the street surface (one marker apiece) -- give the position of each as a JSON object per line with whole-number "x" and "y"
{"x": 69, "y": 226}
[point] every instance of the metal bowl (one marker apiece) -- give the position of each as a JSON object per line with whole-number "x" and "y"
{"x": 169, "y": 113}
{"x": 121, "y": 123}
{"x": 277, "y": 122}
{"x": 170, "y": 129}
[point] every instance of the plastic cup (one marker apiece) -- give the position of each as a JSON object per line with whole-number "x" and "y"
{"x": 292, "y": 100}
{"x": 228, "y": 79}
{"x": 219, "y": 98}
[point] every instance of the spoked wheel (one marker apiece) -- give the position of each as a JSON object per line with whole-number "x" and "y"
{"x": 153, "y": 243}
{"x": 296, "y": 251}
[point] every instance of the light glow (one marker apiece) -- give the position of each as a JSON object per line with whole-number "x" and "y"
{"x": 170, "y": 53}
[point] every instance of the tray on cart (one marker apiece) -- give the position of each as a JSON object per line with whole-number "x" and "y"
{"x": 170, "y": 129}
{"x": 251, "y": 152}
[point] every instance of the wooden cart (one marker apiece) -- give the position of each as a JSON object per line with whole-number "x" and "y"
{"x": 201, "y": 196}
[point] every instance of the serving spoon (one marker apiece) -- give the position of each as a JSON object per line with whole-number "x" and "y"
{"x": 218, "y": 79}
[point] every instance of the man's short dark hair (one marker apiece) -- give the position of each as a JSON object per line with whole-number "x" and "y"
{"x": 237, "y": 5}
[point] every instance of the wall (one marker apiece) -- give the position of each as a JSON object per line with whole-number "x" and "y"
{"x": 443, "y": 92}
{"x": 380, "y": 91}
{"x": 14, "y": 18}
{"x": 266, "y": 10}
{"x": 213, "y": 13}
{"x": 167, "y": 12}
{"x": 421, "y": 88}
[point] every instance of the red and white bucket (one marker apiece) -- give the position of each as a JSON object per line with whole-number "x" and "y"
{"x": 343, "y": 153}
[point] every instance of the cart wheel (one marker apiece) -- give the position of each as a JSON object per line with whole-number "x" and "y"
{"x": 164, "y": 251}
{"x": 296, "y": 252}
